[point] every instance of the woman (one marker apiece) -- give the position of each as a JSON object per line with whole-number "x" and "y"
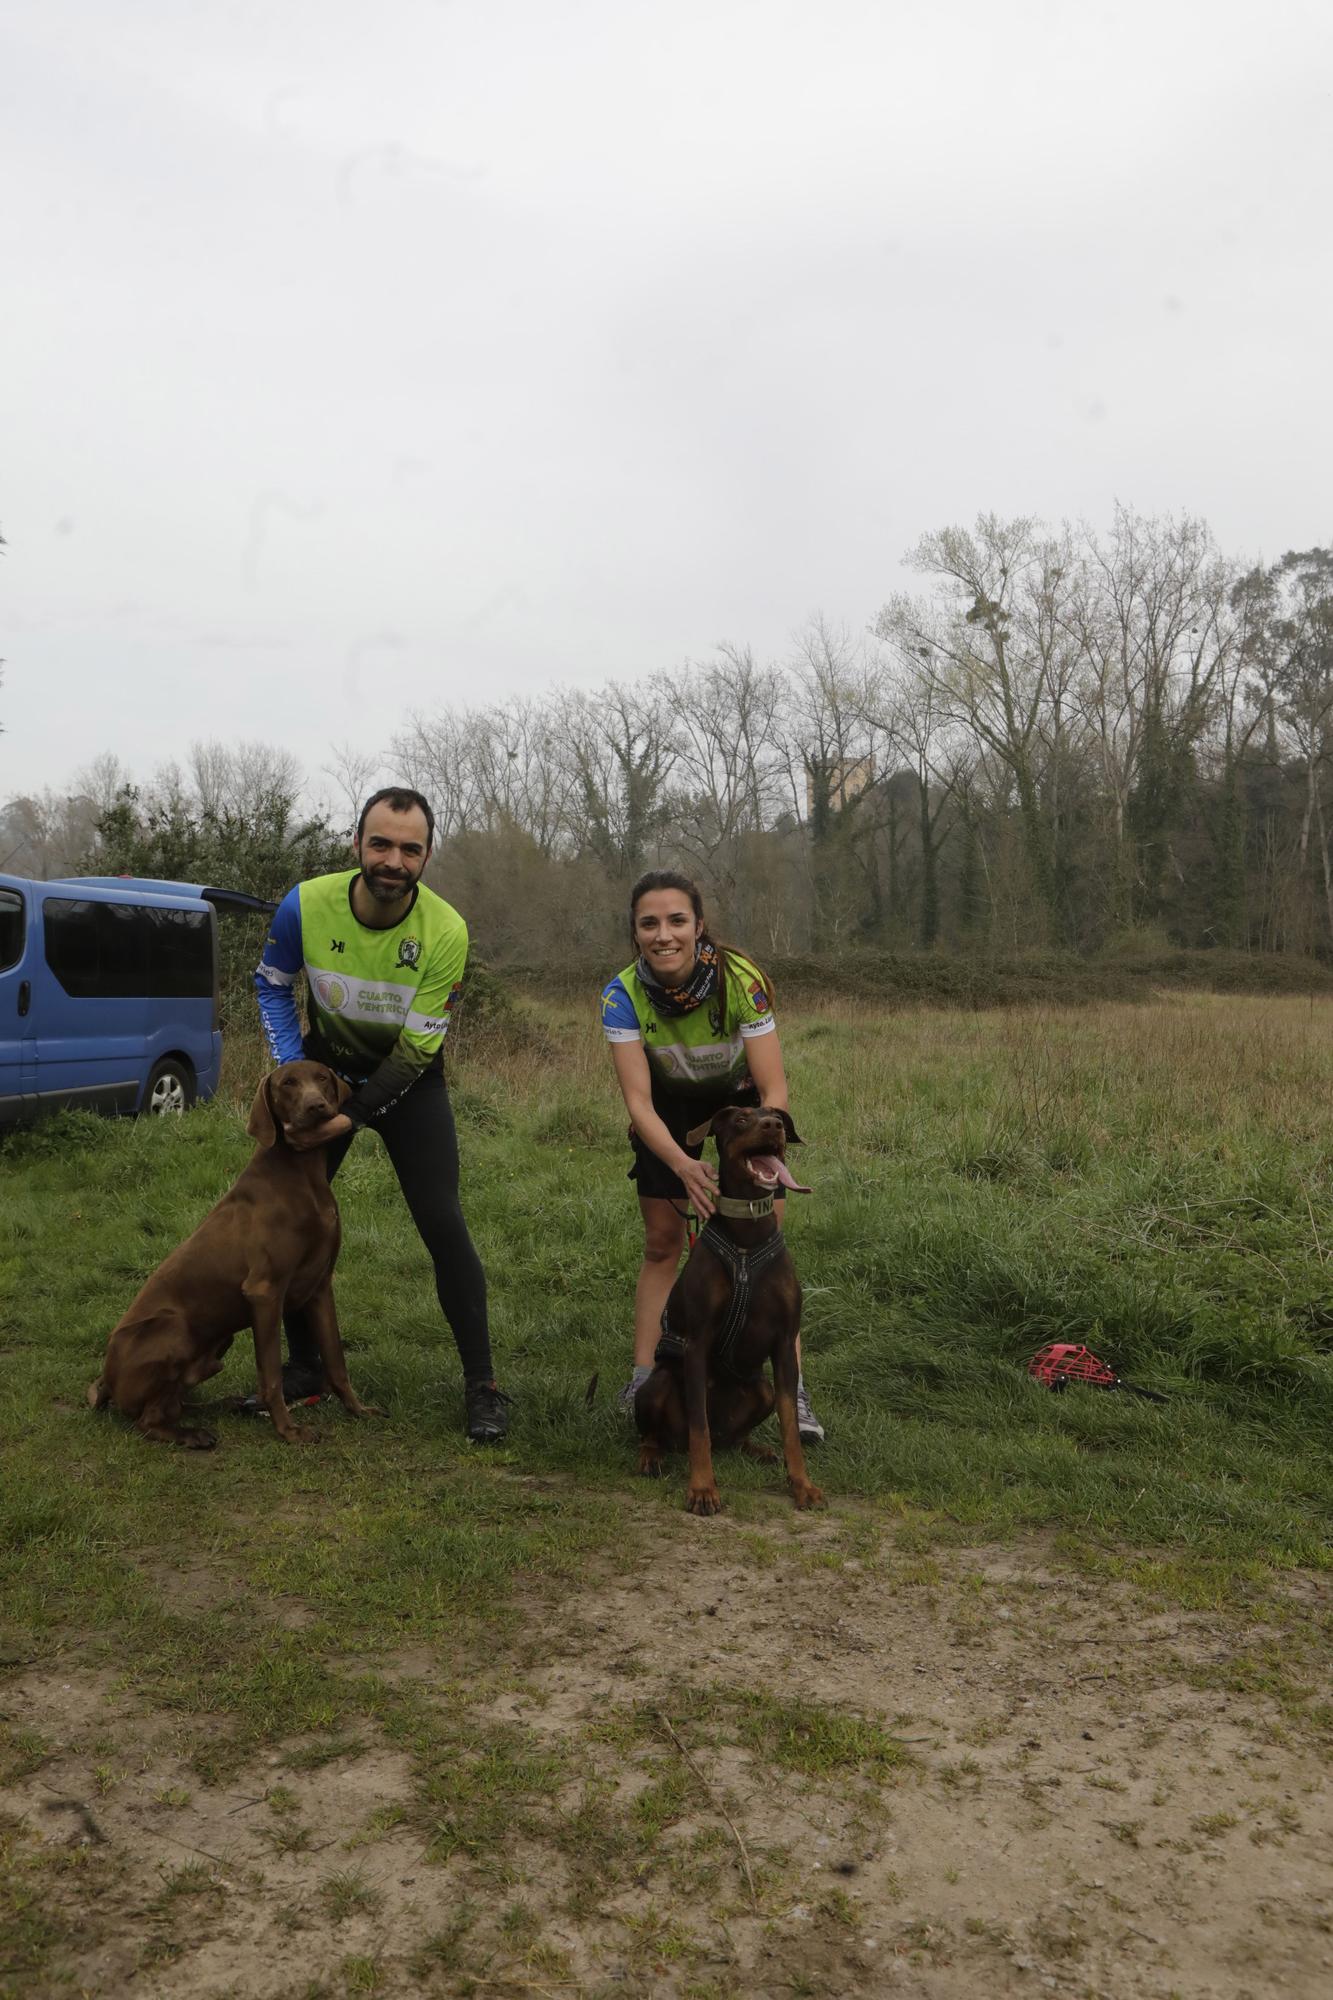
{"x": 691, "y": 1028}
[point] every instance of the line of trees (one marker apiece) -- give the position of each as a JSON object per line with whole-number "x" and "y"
{"x": 1062, "y": 738}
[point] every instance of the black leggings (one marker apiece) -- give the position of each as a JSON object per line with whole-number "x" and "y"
{"x": 419, "y": 1133}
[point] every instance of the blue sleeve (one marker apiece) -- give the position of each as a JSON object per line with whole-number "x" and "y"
{"x": 619, "y": 1020}
{"x": 276, "y": 975}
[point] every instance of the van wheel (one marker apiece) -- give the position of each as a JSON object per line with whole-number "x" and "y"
{"x": 170, "y": 1090}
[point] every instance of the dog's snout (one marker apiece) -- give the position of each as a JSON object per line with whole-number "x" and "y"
{"x": 307, "y": 1104}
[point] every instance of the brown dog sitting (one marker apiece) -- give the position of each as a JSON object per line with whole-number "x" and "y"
{"x": 272, "y": 1240}
{"x": 736, "y": 1305}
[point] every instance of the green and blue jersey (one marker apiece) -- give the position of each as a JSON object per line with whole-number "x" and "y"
{"x": 379, "y": 1000}
{"x": 691, "y": 1055}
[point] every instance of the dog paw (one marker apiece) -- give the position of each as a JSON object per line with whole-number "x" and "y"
{"x": 360, "y": 1409}
{"x": 703, "y": 1500}
{"x": 299, "y": 1434}
{"x": 807, "y": 1496}
{"x": 650, "y": 1466}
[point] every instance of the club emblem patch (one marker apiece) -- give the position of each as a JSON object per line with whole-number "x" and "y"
{"x": 409, "y": 951}
{"x": 333, "y": 993}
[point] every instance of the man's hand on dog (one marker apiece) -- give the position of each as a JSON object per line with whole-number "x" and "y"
{"x": 318, "y": 1135}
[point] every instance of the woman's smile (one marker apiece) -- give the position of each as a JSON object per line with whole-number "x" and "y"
{"x": 668, "y": 932}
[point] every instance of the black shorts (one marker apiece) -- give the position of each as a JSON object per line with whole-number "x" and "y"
{"x": 655, "y": 1180}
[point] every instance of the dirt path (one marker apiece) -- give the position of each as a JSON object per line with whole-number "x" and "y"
{"x": 765, "y": 1766}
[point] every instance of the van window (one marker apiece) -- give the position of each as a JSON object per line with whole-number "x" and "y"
{"x": 125, "y": 951}
{"x": 11, "y": 929}
{"x": 180, "y": 954}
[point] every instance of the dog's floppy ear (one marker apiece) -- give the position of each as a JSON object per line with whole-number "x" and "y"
{"x": 793, "y": 1136}
{"x": 342, "y": 1088}
{"x": 261, "y": 1125}
{"x": 701, "y": 1132}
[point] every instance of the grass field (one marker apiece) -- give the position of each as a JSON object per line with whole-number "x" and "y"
{"x": 1154, "y": 1181}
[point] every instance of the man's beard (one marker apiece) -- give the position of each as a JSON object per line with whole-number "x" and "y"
{"x": 385, "y": 890}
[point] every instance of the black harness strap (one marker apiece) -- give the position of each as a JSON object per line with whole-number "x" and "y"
{"x": 743, "y": 1267}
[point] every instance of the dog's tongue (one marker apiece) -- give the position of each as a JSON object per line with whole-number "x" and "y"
{"x": 769, "y": 1164}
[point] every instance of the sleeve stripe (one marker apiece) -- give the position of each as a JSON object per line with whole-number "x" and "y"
{"x": 426, "y": 1024}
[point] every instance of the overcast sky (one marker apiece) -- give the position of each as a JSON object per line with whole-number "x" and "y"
{"x": 361, "y": 360}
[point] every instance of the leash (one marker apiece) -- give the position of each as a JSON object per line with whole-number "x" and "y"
{"x": 691, "y": 1221}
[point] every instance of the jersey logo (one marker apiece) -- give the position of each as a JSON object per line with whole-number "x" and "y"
{"x": 333, "y": 994}
{"x": 454, "y": 992}
{"x": 336, "y": 944}
{"x": 409, "y": 951}
{"x": 715, "y": 1020}
{"x": 758, "y": 998}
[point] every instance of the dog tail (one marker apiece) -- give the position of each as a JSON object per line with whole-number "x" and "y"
{"x": 98, "y": 1394}
{"x": 590, "y": 1393}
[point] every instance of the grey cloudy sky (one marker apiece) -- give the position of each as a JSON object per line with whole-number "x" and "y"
{"x": 357, "y": 361}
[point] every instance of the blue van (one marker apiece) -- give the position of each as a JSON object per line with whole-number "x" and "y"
{"x": 109, "y": 994}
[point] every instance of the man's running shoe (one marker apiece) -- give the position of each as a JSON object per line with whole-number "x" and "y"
{"x": 303, "y": 1382}
{"x": 807, "y": 1423}
{"x": 487, "y": 1412}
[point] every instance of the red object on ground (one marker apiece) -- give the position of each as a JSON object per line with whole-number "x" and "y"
{"x": 1062, "y": 1362}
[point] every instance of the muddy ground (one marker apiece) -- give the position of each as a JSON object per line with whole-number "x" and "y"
{"x": 769, "y": 1766}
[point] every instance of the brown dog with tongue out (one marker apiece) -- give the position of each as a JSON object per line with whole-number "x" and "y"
{"x": 735, "y": 1306}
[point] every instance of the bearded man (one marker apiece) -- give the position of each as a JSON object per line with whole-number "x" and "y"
{"x": 383, "y": 958}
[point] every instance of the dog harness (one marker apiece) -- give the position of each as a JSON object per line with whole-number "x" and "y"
{"x": 745, "y": 1268}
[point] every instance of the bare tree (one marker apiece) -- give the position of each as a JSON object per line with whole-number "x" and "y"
{"x": 620, "y": 748}
{"x": 903, "y": 698}
{"x": 996, "y": 644}
{"x": 44, "y": 834}
{"x": 353, "y": 772}
{"x": 1287, "y": 643}
{"x": 834, "y": 767}
{"x": 521, "y": 778}
{"x": 437, "y": 755}
{"x": 243, "y": 779}
{"x": 728, "y": 764}
{"x": 1152, "y": 626}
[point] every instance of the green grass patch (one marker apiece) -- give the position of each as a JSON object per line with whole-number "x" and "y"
{"x": 1153, "y": 1181}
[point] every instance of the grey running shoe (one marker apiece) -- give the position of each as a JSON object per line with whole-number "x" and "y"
{"x": 487, "y": 1412}
{"x": 807, "y": 1423}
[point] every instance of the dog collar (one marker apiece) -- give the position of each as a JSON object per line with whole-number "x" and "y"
{"x": 742, "y": 1211}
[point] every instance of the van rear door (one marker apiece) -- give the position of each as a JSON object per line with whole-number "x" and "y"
{"x": 18, "y": 1049}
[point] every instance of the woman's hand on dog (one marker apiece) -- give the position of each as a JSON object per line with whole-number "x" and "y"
{"x": 700, "y": 1182}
